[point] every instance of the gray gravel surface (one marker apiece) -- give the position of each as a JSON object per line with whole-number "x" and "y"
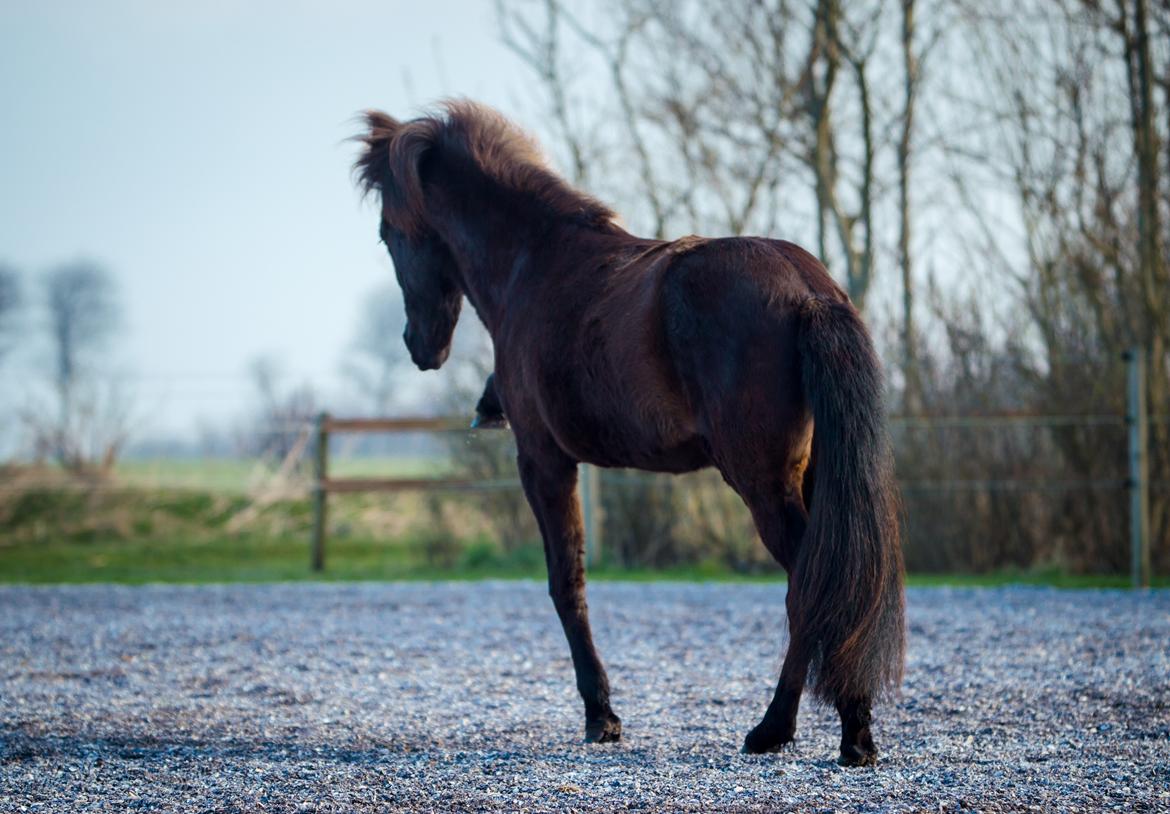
{"x": 440, "y": 697}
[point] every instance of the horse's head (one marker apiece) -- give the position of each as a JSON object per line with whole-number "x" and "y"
{"x": 391, "y": 163}
{"x": 427, "y": 275}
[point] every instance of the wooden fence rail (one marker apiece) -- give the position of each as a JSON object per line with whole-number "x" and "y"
{"x": 323, "y": 485}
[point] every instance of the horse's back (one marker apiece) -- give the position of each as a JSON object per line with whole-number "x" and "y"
{"x": 648, "y": 351}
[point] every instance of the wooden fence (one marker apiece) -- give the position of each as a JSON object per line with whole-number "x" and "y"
{"x": 323, "y": 485}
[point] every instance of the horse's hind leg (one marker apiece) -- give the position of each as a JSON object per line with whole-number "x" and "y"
{"x": 857, "y": 748}
{"x": 550, "y": 478}
{"x": 778, "y": 726}
{"x": 781, "y": 518}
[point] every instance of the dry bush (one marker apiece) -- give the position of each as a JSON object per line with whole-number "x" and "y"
{"x": 1043, "y": 490}
{"x": 657, "y": 521}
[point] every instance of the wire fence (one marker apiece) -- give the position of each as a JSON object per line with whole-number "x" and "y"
{"x": 240, "y": 473}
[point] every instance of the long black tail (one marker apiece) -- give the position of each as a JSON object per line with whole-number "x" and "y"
{"x": 849, "y": 603}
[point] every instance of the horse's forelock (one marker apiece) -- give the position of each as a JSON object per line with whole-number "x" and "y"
{"x": 404, "y": 206}
{"x": 389, "y": 164}
{"x": 373, "y": 163}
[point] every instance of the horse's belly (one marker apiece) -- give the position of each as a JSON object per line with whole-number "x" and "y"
{"x": 685, "y": 457}
{"x": 625, "y": 441}
{"x": 681, "y": 458}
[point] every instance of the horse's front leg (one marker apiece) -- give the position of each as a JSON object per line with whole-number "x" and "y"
{"x": 550, "y": 481}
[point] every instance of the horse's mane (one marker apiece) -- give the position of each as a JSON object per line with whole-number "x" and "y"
{"x": 469, "y": 134}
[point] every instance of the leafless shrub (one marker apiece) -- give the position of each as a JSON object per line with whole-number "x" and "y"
{"x": 280, "y": 415}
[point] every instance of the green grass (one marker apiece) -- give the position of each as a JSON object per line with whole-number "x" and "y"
{"x": 245, "y": 559}
{"x": 238, "y": 476}
{"x": 1039, "y": 577}
{"x": 250, "y": 559}
{"x": 263, "y": 559}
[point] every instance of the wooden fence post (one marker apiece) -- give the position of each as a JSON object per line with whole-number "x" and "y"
{"x": 1136, "y": 420}
{"x": 320, "y": 475}
{"x": 589, "y": 484}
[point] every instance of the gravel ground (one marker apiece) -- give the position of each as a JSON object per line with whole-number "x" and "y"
{"x": 375, "y": 697}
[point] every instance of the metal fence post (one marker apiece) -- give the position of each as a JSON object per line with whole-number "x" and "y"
{"x": 1136, "y": 420}
{"x": 320, "y": 475}
{"x": 589, "y": 485}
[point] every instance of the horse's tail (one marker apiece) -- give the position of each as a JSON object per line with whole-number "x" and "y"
{"x": 848, "y": 605}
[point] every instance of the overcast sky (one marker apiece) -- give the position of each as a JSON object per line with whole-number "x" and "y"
{"x": 197, "y": 151}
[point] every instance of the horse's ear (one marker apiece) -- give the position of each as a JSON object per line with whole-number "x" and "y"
{"x": 373, "y": 164}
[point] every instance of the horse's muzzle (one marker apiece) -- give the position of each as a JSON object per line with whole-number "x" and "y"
{"x": 424, "y": 358}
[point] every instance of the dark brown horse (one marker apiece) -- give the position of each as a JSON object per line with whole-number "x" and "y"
{"x": 665, "y": 356}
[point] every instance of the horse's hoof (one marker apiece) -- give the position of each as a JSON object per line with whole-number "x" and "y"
{"x": 854, "y": 755}
{"x": 489, "y": 422}
{"x": 605, "y": 730}
{"x": 761, "y": 742}
{"x": 774, "y": 749}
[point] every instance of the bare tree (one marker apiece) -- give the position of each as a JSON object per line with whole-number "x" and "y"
{"x": 534, "y": 35}
{"x": 910, "y": 81}
{"x": 1075, "y": 141}
{"x": 90, "y": 425}
{"x": 837, "y": 43}
{"x": 726, "y": 110}
{"x": 83, "y": 313}
{"x": 11, "y": 298}
{"x": 725, "y": 115}
{"x": 377, "y": 357}
{"x": 922, "y": 27}
{"x": 1133, "y": 25}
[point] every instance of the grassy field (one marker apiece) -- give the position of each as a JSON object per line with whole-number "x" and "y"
{"x": 253, "y": 559}
{"x": 168, "y": 523}
{"x": 240, "y": 476}
{"x": 263, "y": 560}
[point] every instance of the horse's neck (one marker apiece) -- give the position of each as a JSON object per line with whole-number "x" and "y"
{"x": 484, "y": 280}
{"x": 495, "y": 234}
{"x": 491, "y": 256}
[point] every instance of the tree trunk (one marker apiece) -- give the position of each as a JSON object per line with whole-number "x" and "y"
{"x": 1152, "y": 333}
{"x": 911, "y": 394}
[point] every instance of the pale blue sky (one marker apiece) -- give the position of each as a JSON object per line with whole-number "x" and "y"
{"x": 196, "y": 150}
